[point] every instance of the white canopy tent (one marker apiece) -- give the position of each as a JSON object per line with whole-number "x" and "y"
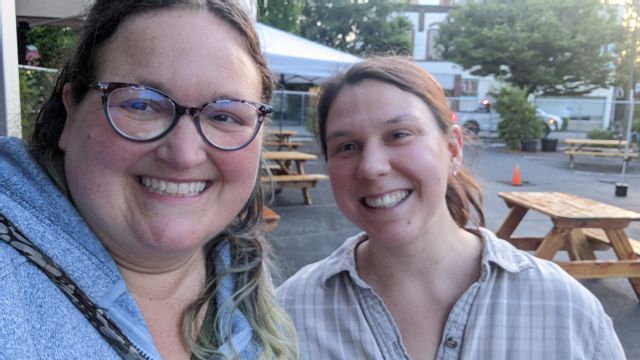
{"x": 296, "y": 59}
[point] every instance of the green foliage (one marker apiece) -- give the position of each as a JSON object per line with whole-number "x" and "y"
{"x": 35, "y": 87}
{"x": 622, "y": 62}
{"x": 601, "y": 134}
{"x": 358, "y": 27}
{"x": 519, "y": 119}
{"x": 549, "y": 46}
{"x": 284, "y": 14}
{"x": 53, "y": 44}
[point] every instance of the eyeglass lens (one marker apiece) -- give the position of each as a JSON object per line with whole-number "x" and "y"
{"x": 143, "y": 114}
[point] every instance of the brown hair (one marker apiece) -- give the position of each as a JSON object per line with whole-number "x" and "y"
{"x": 254, "y": 295}
{"x": 463, "y": 192}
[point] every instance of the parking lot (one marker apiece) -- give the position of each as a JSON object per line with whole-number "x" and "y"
{"x": 307, "y": 233}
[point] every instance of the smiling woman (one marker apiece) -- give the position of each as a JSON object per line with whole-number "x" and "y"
{"x": 152, "y": 138}
{"x": 424, "y": 279}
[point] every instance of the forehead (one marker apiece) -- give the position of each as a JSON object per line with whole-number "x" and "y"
{"x": 373, "y": 103}
{"x": 180, "y": 48}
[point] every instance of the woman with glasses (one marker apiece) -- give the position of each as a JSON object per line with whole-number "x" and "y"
{"x": 425, "y": 279}
{"x": 129, "y": 223}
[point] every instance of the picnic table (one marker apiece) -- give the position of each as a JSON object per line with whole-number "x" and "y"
{"x": 285, "y": 169}
{"x": 281, "y": 139}
{"x": 600, "y": 148}
{"x": 581, "y": 226}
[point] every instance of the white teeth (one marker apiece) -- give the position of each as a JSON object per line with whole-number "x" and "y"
{"x": 172, "y": 188}
{"x": 386, "y": 201}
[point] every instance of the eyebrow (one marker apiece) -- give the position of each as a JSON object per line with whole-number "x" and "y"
{"x": 394, "y": 120}
{"x": 155, "y": 85}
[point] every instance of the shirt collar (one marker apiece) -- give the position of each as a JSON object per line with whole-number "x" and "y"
{"x": 343, "y": 259}
{"x": 501, "y": 253}
{"x": 495, "y": 251}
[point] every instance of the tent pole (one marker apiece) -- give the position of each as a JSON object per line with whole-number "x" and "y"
{"x": 10, "y": 123}
{"x": 281, "y": 83}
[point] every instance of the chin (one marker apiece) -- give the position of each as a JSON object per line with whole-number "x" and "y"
{"x": 173, "y": 241}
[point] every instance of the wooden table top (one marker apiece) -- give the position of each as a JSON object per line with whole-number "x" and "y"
{"x": 595, "y": 142}
{"x": 288, "y": 155}
{"x": 277, "y": 132}
{"x": 568, "y": 206}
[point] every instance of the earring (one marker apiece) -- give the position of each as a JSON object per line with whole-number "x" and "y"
{"x": 454, "y": 169}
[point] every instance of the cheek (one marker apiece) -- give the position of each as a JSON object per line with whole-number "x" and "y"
{"x": 339, "y": 174}
{"x": 241, "y": 165}
{"x": 88, "y": 137}
{"x": 342, "y": 181}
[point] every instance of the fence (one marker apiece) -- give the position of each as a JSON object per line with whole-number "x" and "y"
{"x": 293, "y": 107}
{"x": 298, "y": 107}
{"x": 584, "y": 114}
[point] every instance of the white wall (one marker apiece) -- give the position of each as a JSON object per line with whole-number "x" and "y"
{"x": 420, "y": 36}
{"x": 50, "y": 8}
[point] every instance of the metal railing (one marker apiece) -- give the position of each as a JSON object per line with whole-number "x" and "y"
{"x": 298, "y": 107}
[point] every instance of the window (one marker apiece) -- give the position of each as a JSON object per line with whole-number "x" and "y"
{"x": 433, "y": 52}
{"x": 469, "y": 87}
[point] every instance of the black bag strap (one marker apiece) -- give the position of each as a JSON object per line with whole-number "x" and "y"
{"x": 95, "y": 314}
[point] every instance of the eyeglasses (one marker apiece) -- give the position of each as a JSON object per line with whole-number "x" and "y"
{"x": 143, "y": 114}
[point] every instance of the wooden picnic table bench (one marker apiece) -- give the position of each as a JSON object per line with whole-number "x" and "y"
{"x": 599, "y": 240}
{"x": 599, "y": 148}
{"x": 281, "y": 173}
{"x": 580, "y": 226}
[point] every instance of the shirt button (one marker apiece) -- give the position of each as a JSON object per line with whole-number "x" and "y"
{"x": 451, "y": 343}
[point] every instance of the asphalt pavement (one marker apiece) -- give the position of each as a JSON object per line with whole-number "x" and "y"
{"x": 308, "y": 233}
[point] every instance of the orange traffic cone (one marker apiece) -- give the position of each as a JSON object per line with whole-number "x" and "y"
{"x": 516, "y": 180}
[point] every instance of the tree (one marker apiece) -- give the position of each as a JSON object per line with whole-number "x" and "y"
{"x": 547, "y": 46}
{"x": 357, "y": 27}
{"x": 284, "y": 14}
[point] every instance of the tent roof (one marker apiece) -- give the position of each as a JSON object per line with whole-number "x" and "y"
{"x": 298, "y": 59}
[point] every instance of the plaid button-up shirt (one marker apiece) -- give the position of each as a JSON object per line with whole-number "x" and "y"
{"x": 521, "y": 307}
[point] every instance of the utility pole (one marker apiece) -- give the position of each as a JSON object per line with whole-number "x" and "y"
{"x": 621, "y": 187}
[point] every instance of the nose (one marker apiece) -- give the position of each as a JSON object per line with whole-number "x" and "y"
{"x": 374, "y": 162}
{"x": 183, "y": 147}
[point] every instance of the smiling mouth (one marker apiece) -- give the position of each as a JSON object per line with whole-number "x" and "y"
{"x": 388, "y": 200}
{"x": 171, "y": 188}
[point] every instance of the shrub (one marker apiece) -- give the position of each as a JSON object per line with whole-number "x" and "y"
{"x": 53, "y": 44}
{"x": 601, "y": 134}
{"x": 519, "y": 120}
{"x": 35, "y": 87}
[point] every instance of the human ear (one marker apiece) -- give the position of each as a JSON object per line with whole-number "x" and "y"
{"x": 70, "y": 107}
